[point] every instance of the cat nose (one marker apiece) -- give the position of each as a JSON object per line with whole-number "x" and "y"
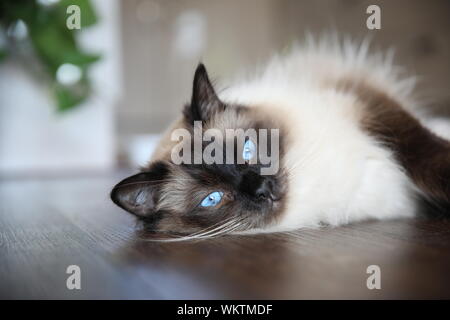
{"x": 257, "y": 186}
{"x": 264, "y": 191}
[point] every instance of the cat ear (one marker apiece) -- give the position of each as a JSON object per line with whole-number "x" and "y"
{"x": 138, "y": 194}
{"x": 204, "y": 102}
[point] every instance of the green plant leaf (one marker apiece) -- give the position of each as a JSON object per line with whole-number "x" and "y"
{"x": 52, "y": 43}
{"x": 3, "y": 54}
{"x": 80, "y": 59}
{"x": 68, "y": 98}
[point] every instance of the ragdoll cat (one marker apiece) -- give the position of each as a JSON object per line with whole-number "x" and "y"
{"x": 350, "y": 149}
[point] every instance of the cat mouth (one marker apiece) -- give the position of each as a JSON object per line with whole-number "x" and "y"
{"x": 274, "y": 202}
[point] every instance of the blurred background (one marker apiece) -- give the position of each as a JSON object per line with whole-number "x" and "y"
{"x": 95, "y": 99}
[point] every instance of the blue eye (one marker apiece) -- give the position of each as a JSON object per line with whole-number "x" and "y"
{"x": 249, "y": 150}
{"x": 212, "y": 199}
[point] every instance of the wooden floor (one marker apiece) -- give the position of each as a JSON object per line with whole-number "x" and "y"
{"x": 49, "y": 224}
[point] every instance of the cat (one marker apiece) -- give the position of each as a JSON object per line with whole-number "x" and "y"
{"x": 351, "y": 148}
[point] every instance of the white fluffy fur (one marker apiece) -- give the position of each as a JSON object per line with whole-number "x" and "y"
{"x": 337, "y": 173}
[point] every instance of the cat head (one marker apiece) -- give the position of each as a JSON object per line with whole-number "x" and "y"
{"x": 182, "y": 193}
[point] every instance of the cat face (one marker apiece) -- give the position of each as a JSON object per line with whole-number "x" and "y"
{"x": 201, "y": 199}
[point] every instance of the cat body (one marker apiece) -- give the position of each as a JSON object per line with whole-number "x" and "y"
{"x": 350, "y": 149}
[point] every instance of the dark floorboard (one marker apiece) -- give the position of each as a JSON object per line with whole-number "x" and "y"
{"x": 48, "y": 224}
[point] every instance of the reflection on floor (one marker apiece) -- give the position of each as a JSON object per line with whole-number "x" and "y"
{"x": 47, "y": 225}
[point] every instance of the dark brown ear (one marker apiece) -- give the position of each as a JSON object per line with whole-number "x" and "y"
{"x": 139, "y": 193}
{"x": 204, "y": 101}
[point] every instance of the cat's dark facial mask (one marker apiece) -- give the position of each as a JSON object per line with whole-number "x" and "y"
{"x": 214, "y": 198}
